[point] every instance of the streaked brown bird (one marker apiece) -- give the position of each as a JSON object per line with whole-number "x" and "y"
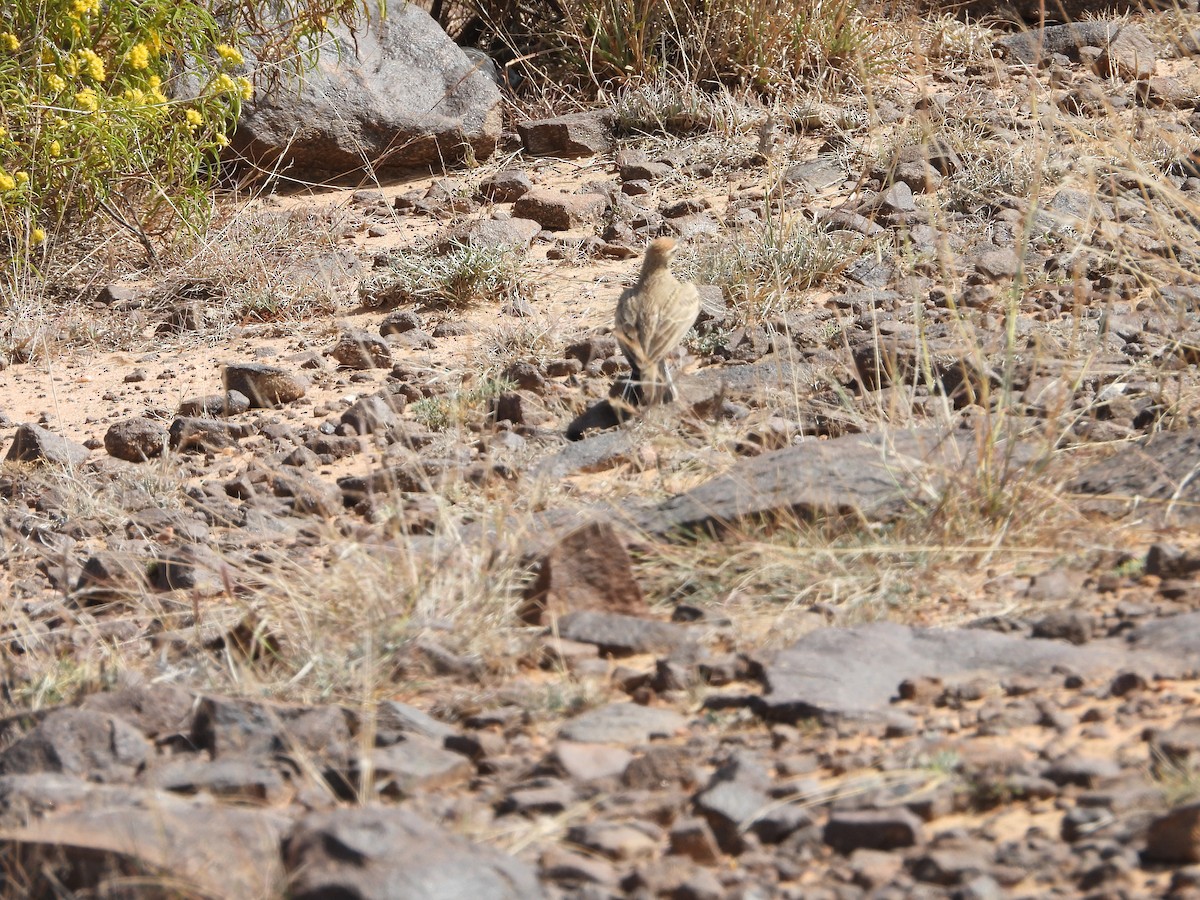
{"x": 652, "y": 318}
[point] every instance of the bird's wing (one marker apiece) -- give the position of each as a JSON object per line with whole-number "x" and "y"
{"x": 627, "y": 327}
{"x": 672, "y": 319}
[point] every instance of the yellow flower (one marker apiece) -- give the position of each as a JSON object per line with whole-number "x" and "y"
{"x": 83, "y": 7}
{"x": 231, "y": 55}
{"x": 7, "y": 182}
{"x": 3, "y": 133}
{"x": 70, "y": 66}
{"x": 56, "y": 83}
{"x": 154, "y": 82}
{"x": 22, "y": 178}
{"x": 9, "y": 42}
{"x": 138, "y": 56}
{"x": 87, "y": 100}
{"x": 37, "y": 236}
{"x": 91, "y": 61}
{"x": 245, "y": 88}
{"x": 194, "y": 119}
{"x": 225, "y": 85}
{"x": 55, "y": 149}
{"x": 221, "y": 139}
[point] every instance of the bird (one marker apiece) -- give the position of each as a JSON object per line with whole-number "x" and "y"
{"x": 652, "y": 317}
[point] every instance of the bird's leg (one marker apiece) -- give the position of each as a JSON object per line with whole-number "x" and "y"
{"x": 664, "y": 384}
{"x": 633, "y": 391}
{"x": 671, "y": 392}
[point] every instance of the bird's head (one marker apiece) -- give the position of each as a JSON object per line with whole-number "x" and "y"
{"x": 659, "y": 253}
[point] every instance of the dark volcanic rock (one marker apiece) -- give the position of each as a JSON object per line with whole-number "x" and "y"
{"x": 135, "y": 440}
{"x": 876, "y": 829}
{"x": 1035, "y": 44}
{"x": 266, "y": 386}
{"x": 78, "y": 742}
{"x": 395, "y": 720}
{"x": 556, "y": 211}
{"x": 622, "y": 635}
{"x": 575, "y": 134}
{"x": 157, "y": 710}
{"x": 391, "y": 854}
{"x": 416, "y": 764}
{"x": 225, "y": 726}
{"x": 505, "y": 186}
{"x": 493, "y": 234}
{"x": 231, "y": 403}
{"x": 1175, "y": 836}
{"x": 33, "y": 443}
{"x": 239, "y": 779}
{"x": 589, "y": 569}
{"x": 621, "y": 723}
{"x": 92, "y": 831}
{"x": 729, "y": 807}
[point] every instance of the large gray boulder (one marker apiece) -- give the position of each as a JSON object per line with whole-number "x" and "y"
{"x": 395, "y": 94}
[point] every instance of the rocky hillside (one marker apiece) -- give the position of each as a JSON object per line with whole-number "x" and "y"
{"x": 333, "y": 571}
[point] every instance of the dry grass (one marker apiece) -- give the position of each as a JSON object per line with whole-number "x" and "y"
{"x": 342, "y": 614}
{"x": 458, "y": 278}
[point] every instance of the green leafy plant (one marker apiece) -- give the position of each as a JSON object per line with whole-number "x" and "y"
{"x": 440, "y": 413}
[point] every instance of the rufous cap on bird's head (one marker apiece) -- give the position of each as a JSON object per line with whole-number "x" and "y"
{"x": 659, "y": 253}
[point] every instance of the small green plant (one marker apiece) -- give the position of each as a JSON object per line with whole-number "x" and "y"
{"x": 949, "y": 40}
{"x": 764, "y": 267}
{"x": 1134, "y": 567}
{"x": 440, "y": 413}
{"x": 662, "y": 104}
{"x": 463, "y": 276}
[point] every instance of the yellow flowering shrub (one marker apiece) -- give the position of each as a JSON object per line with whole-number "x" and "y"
{"x": 92, "y": 110}
{"x": 231, "y": 55}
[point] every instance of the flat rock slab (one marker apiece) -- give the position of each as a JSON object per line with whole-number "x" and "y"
{"x": 620, "y": 635}
{"x": 417, "y": 764}
{"x": 856, "y": 671}
{"x": 622, "y": 723}
{"x": 771, "y": 374}
{"x": 1175, "y": 637}
{"x": 591, "y": 454}
{"x": 1030, "y": 46}
{"x": 391, "y": 854}
{"x": 871, "y": 476}
{"x": 1153, "y": 476}
{"x": 238, "y": 855}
